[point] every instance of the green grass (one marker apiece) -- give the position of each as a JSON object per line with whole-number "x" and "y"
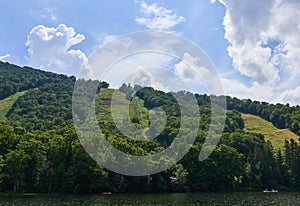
{"x": 6, "y": 103}
{"x": 272, "y": 133}
{"x": 137, "y": 110}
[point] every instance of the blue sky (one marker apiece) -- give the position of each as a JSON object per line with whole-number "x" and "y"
{"x": 254, "y": 45}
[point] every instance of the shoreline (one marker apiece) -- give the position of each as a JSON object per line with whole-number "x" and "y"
{"x": 162, "y": 193}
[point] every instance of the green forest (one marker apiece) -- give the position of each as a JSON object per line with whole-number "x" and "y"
{"x": 41, "y": 153}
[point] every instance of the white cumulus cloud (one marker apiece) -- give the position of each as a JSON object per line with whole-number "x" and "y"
{"x": 290, "y": 96}
{"x": 189, "y": 70}
{"x": 50, "y": 49}
{"x": 255, "y": 91}
{"x": 198, "y": 74}
{"x": 264, "y": 39}
{"x": 157, "y": 17}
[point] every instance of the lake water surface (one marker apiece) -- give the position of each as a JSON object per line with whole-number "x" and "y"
{"x": 241, "y": 198}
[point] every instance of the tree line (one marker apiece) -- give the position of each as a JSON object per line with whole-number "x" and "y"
{"x": 281, "y": 115}
{"x": 15, "y": 79}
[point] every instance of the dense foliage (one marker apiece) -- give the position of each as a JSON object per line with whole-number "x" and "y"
{"x": 40, "y": 151}
{"x": 14, "y": 79}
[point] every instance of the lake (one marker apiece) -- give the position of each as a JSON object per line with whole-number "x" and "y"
{"x": 194, "y": 199}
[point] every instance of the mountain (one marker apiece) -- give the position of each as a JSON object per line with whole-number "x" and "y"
{"x": 40, "y": 150}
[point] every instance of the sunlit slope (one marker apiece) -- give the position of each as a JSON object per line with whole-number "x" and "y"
{"x": 6, "y": 103}
{"x": 272, "y": 133}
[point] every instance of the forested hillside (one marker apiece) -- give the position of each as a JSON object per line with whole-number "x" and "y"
{"x": 282, "y": 116}
{"x": 15, "y": 79}
{"x": 40, "y": 151}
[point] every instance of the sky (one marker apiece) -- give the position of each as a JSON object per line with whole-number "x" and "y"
{"x": 253, "y": 45}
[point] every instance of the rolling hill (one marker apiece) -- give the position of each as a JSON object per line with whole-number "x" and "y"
{"x": 276, "y": 136}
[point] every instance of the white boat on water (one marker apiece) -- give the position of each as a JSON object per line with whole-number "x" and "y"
{"x": 270, "y": 190}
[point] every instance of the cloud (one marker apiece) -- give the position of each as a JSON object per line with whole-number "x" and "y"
{"x": 10, "y": 59}
{"x": 290, "y": 96}
{"x": 253, "y": 60}
{"x": 145, "y": 69}
{"x": 44, "y": 14}
{"x": 199, "y": 75}
{"x": 235, "y": 88}
{"x": 107, "y": 38}
{"x": 188, "y": 68}
{"x": 48, "y": 14}
{"x": 50, "y": 49}
{"x": 4, "y": 57}
{"x": 157, "y": 17}
{"x": 264, "y": 39}
{"x": 148, "y": 77}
